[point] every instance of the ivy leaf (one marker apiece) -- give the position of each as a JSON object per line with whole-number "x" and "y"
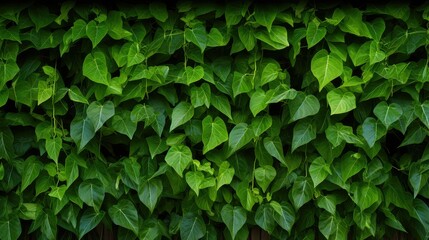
{"x": 179, "y": 157}
{"x": 234, "y": 218}
{"x": 214, "y": 133}
{"x": 274, "y": 147}
{"x": 149, "y": 192}
{"x": 315, "y": 33}
{"x": 92, "y": 193}
{"x": 302, "y": 106}
{"x": 341, "y": 101}
{"x": 388, "y": 114}
{"x": 264, "y": 175}
{"x": 81, "y": 131}
{"x": 264, "y": 217}
{"x": 194, "y": 180}
{"x": 326, "y": 67}
{"x": 8, "y": 70}
{"x": 303, "y": 132}
{"x": 197, "y": 35}
{"x": 422, "y": 112}
{"x": 182, "y": 113}
{"x": 76, "y": 95}
{"x": 302, "y": 192}
{"x": 319, "y": 170}
{"x": 96, "y": 32}
{"x": 192, "y": 226}
{"x": 95, "y": 67}
{"x": 372, "y": 131}
{"x": 125, "y": 214}
{"x": 284, "y": 215}
{"x": 89, "y": 220}
{"x": 10, "y": 227}
{"x": 239, "y": 136}
{"x": 99, "y": 113}
{"x": 53, "y": 147}
{"x": 225, "y": 174}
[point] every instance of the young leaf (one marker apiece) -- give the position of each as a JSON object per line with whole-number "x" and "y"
{"x": 45, "y": 92}
{"x": 192, "y": 226}
{"x": 341, "y": 101}
{"x": 319, "y": 170}
{"x": 89, "y": 220}
{"x": 125, "y": 214}
{"x": 149, "y": 192}
{"x": 326, "y": 67}
{"x": 179, "y": 157}
{"x": 99, "y": 113}
{"x": 303, "y": 132}
{"x": 302, "y": 106}
{"x": 214, "y": 133}
{"x": 264, "y": 176}
{"x": 194, "y": 180}
{"x": 388, "y": 114}
{"x": 234, "y": 218}
{"x": 95, "y": 67}
{"x": 182, "y": 113}
{"x": 239, "y": 136}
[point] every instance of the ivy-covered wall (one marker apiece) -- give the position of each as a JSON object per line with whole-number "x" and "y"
{"x": 197, "y": 120}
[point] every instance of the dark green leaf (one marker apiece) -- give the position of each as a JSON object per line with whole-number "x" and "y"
{"x": 192, "y": 227}
{"x": 125, "y": 215}
{"x": 89, "y": 220}
{"x": 149, "y": 193}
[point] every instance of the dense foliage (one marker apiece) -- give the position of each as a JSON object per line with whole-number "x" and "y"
{"x": 203, "y": 120}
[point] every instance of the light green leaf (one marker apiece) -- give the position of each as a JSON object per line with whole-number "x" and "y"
{"x": 95, "y": 68}
{"x": 274, "y": 147}
{"x": 201, "y": 95}
{"x": 264, "y": 217}
{"x": 193, "y": 74}
{"x": 302, "y": 191}
{"x": 351, "y": 164}
{"x": 260, "y": 124}
{"x": 10, "y": 228}
{"x": 234, "y": 218}
{"x": 149, "y": 192}
{"x": 214, "y": 133}
{"x": 179, "y": 157}
{"x": 422, "y": 112}
{"x": 99, "y": 113}
{"x": 239, "y": 136}
{"x": 71, "y": 167}
{"x": 125, "y": 214}
{"x": 194, "y": 180}
{"x": 245, "y": 33}
{"x": 387, "y": 114}
{"x": 53, "y": 147}
{"x": 364, "y": 194}
{"x": 182, "y": 113}
{"x": 158, "y": 11}
{"x": 225, "y": 174}
{"x": 89, "y": 220}
{"x": 78, "y": 29}
{"x": 58, "y": 192}
{"x": 315, "y": 33}
{"x": 242, "y": 83}
{"x": 326, "y": 67}
{"x": 92, "y": 193}
{"x": 257, "y": 101}
{"x": 302, "y": 106}
{"x": 328, "y": 203}
{"x": 123, "y": 124}
{"x": 96, "y": 32}
{"x": 319, "y": 170}
{"x": 280, "y": 93}
{"x": 134, "y": 55}
{"x": 246, "y": 195}
{"x": 197, "y": 35}
{"x": 45, "y": 92}
{"x": 372, "y": 130}
{"x": 278, "y": 34}
{"x": 284, "y": 215}
{"x": 143, "y": 112}
{"x": 76, "y": 95}
{"x": 341, "y": 101}
{"x": 264, "y": 175}
{"x": 32, "y": 168}
{"x": 303, "y": 132}
{"x": 269, "y": 73}
{"x": 8, "y": 70}
{"x": 81, "y": 131}
{"x": 221, "y": 103}
{"x": 338, "y": 133}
